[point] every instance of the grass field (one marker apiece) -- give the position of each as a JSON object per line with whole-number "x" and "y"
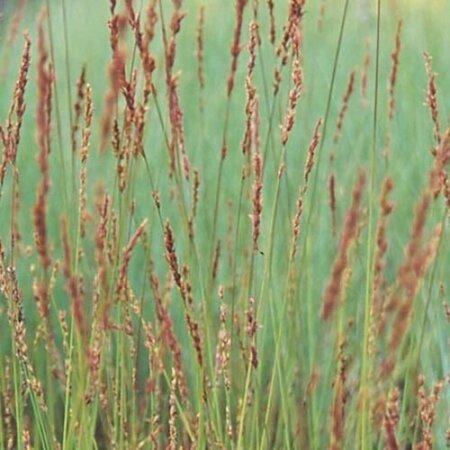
{"x": 224, "y": 224}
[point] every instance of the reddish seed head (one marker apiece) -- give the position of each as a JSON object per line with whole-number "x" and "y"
{"x": 200, "y": 47}
{"x": 345, "y": 103}
{"x": 332, "y": 294}
{"x": 395, "y": 57}
{"x": 431, "y": 97}
{"x": 294, "y": 95}
{"x": 236, "y": 45}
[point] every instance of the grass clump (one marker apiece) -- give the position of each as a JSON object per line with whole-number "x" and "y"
{"x": 224, "y": 225}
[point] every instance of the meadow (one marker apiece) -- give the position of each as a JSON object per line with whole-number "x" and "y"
{"x": 224, "y": 224}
